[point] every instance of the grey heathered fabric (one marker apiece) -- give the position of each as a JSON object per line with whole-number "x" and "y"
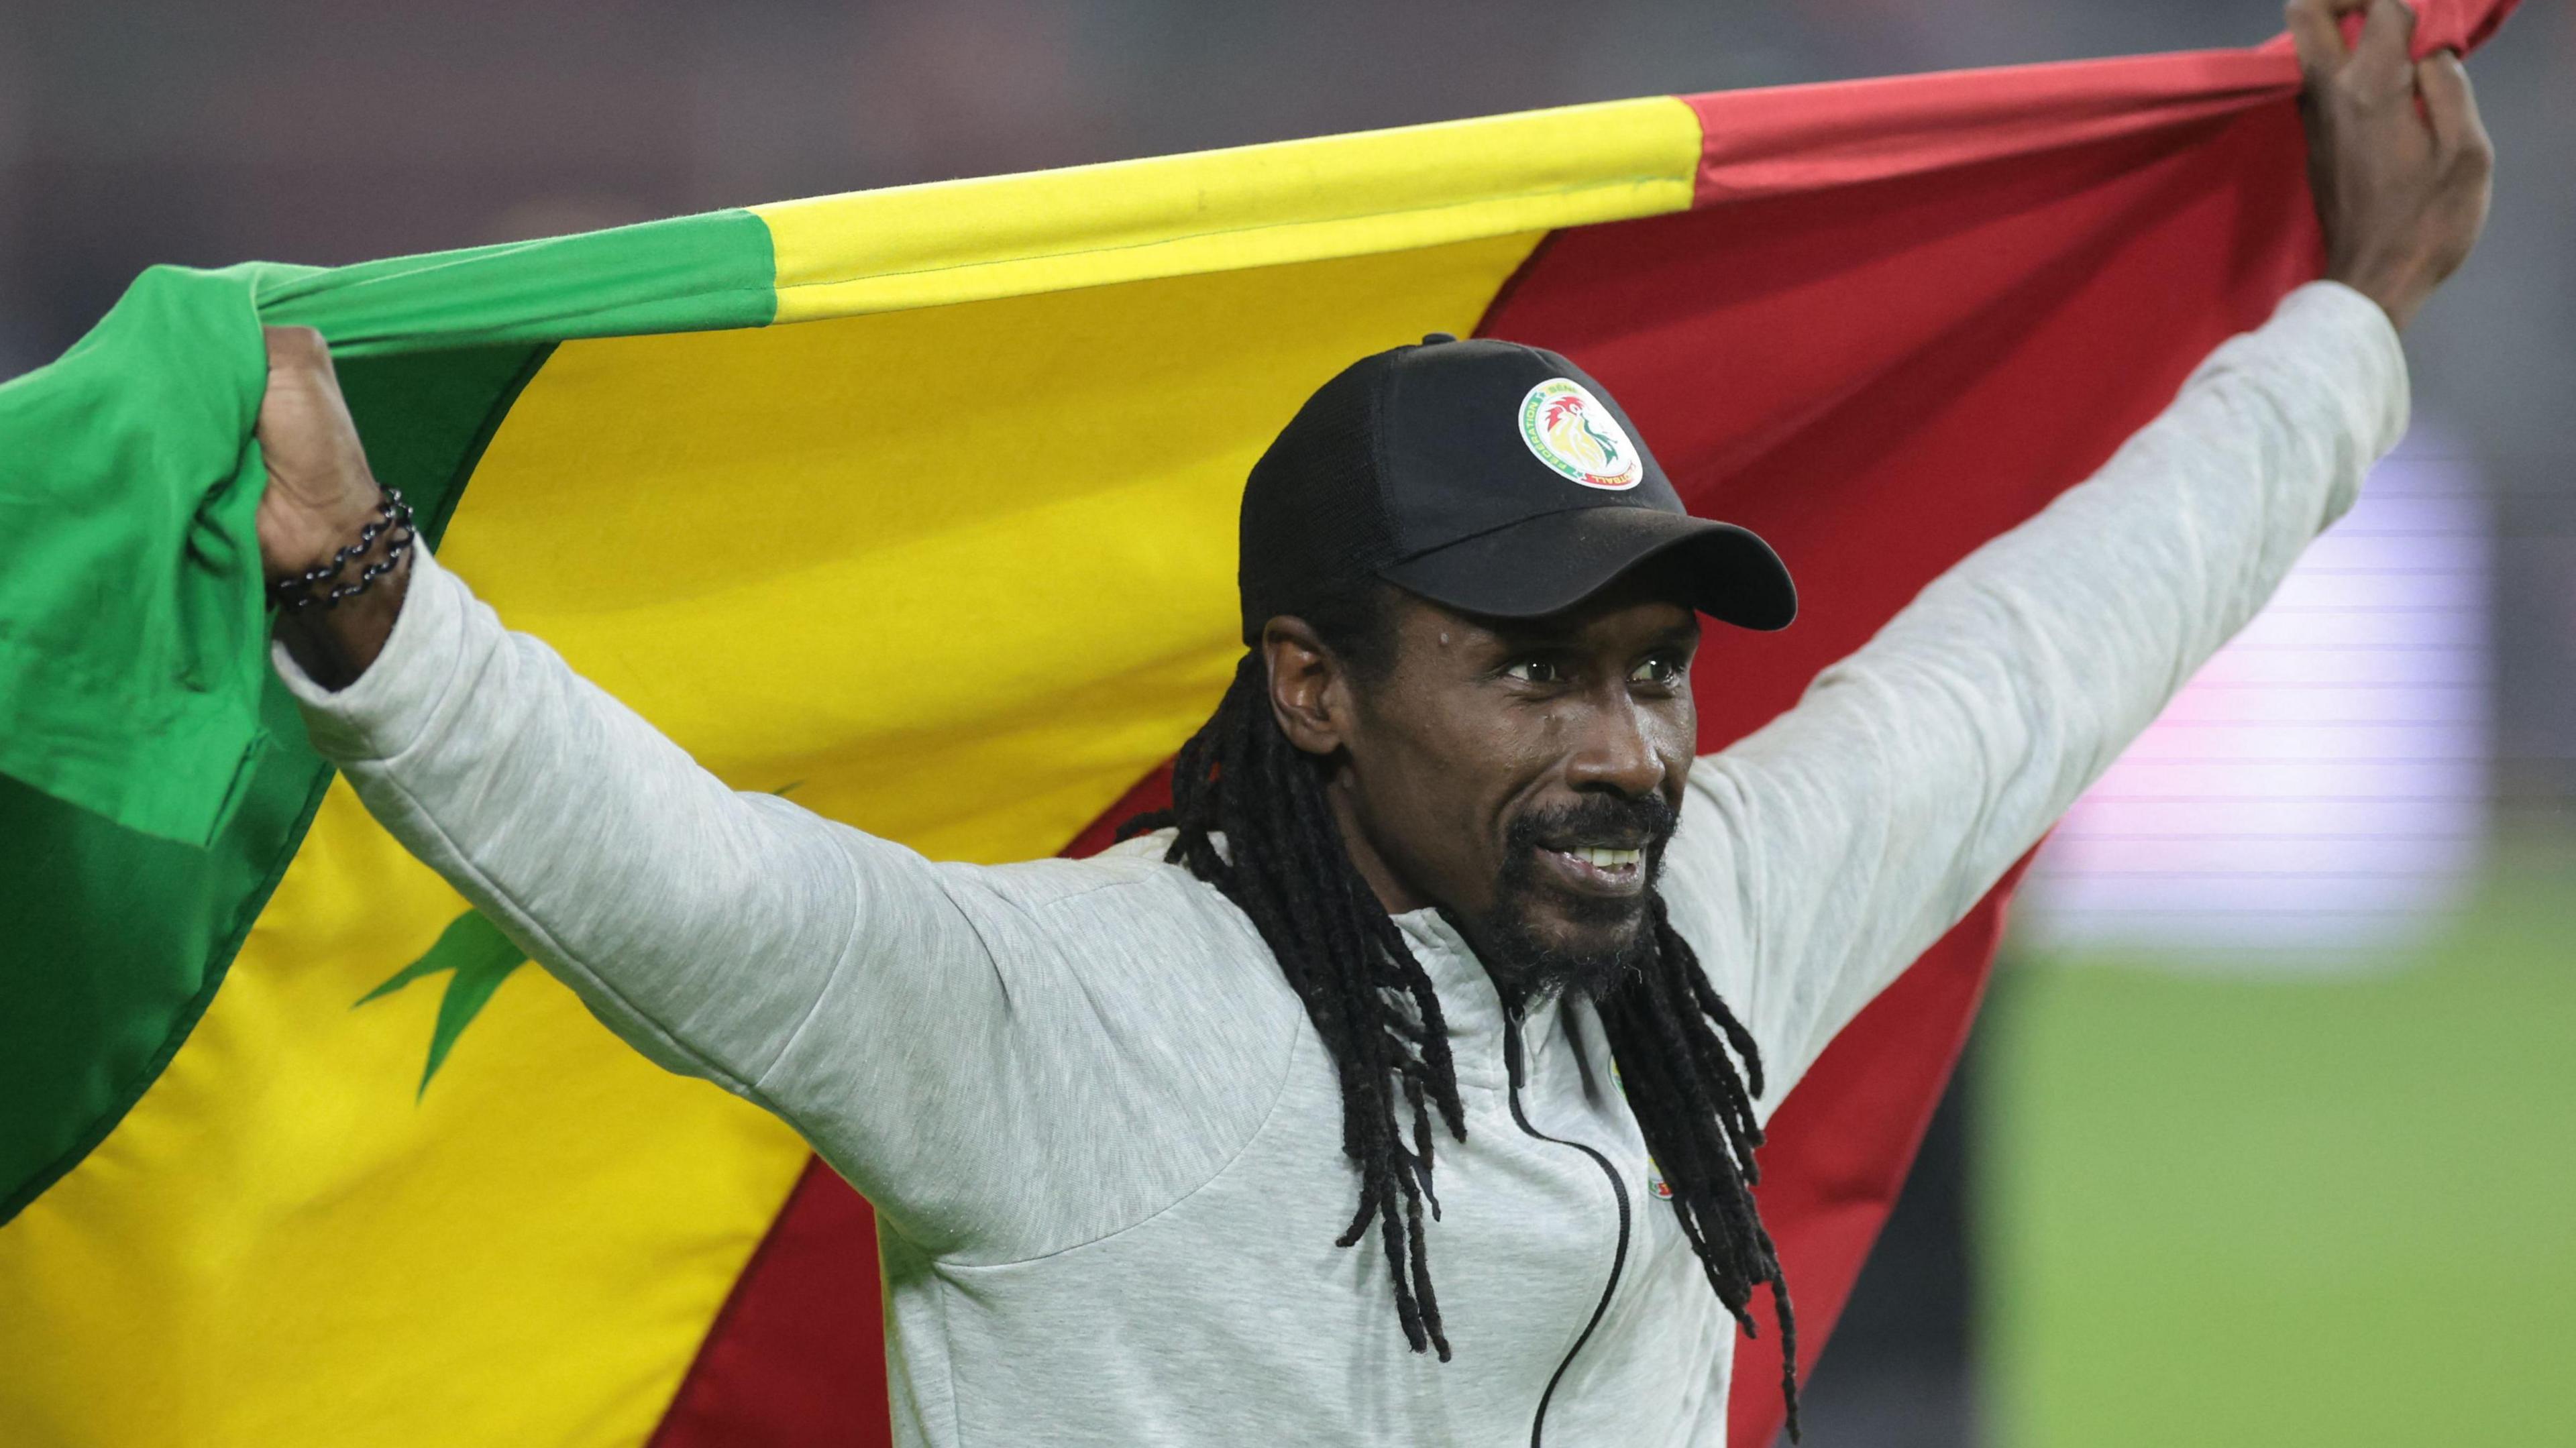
{"x": 1104, "y": 1144}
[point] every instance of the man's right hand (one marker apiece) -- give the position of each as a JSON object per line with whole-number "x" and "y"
{"x": 2397, "y": 156}
{"x": 320, "y": 495}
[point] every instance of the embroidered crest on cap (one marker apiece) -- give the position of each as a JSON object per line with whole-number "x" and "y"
{"x": 1568, "y": 429}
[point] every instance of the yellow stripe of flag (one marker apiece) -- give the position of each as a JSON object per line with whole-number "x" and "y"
{"x": 1251, "y": 206}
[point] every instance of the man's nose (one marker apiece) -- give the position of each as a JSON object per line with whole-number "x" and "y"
{"x": 1615, "y": 752}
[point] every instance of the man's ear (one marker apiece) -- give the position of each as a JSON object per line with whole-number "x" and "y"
{"x": 1310, "y": 692}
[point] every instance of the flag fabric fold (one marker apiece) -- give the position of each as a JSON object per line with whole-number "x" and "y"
{"x": 130, "y": 613}
{"x": 918, "y": 505}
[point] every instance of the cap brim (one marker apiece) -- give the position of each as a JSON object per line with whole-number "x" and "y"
{"x": 1550, "y": 563}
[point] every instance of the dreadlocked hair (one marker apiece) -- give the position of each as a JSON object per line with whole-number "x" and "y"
{"x": 1282, "y": 861}
{"x": 1670, "y": 1035}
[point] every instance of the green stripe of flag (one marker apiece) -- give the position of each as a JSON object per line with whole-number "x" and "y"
{"x": 113, "y": 941}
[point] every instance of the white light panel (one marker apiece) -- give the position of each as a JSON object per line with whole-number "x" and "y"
{"x": 2319, "y": 792}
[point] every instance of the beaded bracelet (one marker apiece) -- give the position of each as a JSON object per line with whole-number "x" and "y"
{"x": 392, "y": 523}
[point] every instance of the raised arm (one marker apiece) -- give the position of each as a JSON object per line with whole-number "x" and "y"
{"x": 585, "y": 834}
{"x": 699, "y": 923}
{"x": 1840, "y": 841}
{"x": 1005, "y": 1059}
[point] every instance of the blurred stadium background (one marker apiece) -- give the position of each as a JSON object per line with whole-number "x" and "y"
{"x": 2266, "y": 1135}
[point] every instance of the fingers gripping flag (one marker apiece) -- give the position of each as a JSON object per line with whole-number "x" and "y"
{"x": 920, "y": 504}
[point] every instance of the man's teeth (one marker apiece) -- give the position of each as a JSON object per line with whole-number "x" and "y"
{"x": 1608, "y": 859}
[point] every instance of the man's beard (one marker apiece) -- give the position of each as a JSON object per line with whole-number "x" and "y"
{"x": 1525, "y": 961}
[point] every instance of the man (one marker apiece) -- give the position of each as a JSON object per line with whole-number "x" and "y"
{"x": 1449, "y": 951}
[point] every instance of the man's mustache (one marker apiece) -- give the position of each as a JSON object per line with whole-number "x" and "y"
{"x": 1596, "y": 821}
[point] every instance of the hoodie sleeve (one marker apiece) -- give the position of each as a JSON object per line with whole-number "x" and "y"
{"x": 1004, "y": 1059}
{"x": 1822, "y": 854}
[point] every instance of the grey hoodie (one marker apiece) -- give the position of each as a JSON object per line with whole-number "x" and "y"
{"x": 1103, "y": 1142}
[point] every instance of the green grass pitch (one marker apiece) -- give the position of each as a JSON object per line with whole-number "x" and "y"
{"x": 2218, "y": 1212}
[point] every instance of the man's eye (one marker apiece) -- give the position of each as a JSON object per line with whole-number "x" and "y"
{"x": 1535, "y": 671}
{"x": 1657, "y": 670}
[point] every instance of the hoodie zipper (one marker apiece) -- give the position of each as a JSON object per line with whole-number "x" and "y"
{"x": 1618, "y": 1190}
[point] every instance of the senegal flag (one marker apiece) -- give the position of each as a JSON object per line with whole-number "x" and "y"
{"x": 918, "y": 506}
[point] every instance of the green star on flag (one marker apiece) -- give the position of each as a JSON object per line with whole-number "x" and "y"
{"x": 480, "y": 957}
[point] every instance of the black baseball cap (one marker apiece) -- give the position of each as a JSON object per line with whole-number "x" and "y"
{"x": 1491, "y": 477}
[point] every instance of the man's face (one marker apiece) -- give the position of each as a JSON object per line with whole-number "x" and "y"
{"x": 1524, "y": 775}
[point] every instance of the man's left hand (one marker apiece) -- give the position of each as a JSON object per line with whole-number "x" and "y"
{"x": 2397, "y": 157}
